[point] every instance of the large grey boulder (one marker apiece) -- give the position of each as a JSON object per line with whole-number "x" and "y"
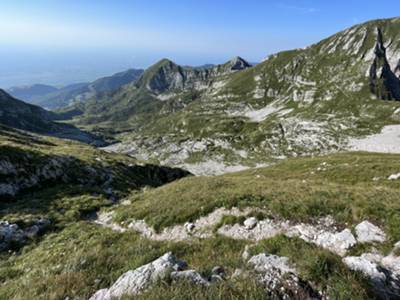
{"x": 133, "y": 282}
{"x": 367, "y": 232}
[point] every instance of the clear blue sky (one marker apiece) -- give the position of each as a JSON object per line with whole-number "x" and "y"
{"x": 59, "y": 41}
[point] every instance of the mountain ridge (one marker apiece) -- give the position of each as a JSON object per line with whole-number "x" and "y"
{"x": 57, "y": 98}
{"x": 297, "y": 102}
{"x": 24, "y": 116}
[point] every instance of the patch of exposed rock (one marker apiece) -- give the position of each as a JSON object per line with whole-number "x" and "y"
{"x": 280, "y": 279}
{"x": 383, "y": 271}
{"x": 134, "y": 282}
{"x": 26, "y": 170}
{"x": 12, "y": 234}
{"x": 367, "y": 232}
{"x": 324, "y": 233}
{"x": 201, "y": 228}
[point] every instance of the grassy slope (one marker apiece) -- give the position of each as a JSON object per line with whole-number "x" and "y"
{"x": 342, "y": 103}
{"x": 85, "y": 190}
{"x": 83, "y": 258}
{"x": 75, "y": 258}
{"x": 292, "y": 189}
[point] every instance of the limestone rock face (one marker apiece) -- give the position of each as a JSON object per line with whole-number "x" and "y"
{"x": 383, "y": 81}
{"x": 166, "y": 76}
{"x": 367, "y": 232}
{"x": 237, "y": 64}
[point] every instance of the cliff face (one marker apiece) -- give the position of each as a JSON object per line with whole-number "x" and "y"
{"x": 383, "y": 81}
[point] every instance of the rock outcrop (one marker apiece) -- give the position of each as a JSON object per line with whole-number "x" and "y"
{"x": 367, "y": 232}
{"x": 12, "y": 235}
{"x": 132, "y": 283}
{"x": 280, "y": 279}
{"x": 23, "y": 170}
{"x": 384, "y": 272}
{"x": 166, "y": 76}
{"x": 383, "y": 81}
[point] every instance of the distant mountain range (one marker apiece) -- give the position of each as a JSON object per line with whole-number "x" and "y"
{"x": 51, "y": 97}
{"x": 299, "y": 102}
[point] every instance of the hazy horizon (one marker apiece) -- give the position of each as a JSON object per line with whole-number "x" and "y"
{"x": 65, "y": 42}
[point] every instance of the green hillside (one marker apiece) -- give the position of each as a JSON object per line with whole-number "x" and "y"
{"x": 300, "y": 102}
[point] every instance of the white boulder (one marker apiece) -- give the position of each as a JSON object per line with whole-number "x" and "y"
{"x": 367, "y": 232}
{"x": 250, "y": 223}
{"x": 134, "y": 282}
{"x": 338, "y": 242}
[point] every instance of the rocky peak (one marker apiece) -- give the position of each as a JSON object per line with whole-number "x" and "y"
{"x": 237, "y": 63}
{"x": 166, "y": 76}
{"x": 383, "y": 81}
{"x": 163, "y": 76}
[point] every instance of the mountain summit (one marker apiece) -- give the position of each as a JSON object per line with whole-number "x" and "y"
{"x": 236, "y": 64}
{"x": 166, "y": 75}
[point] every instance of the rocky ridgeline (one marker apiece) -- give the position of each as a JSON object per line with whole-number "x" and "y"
{"x": 166, "y": 76}
{"x": 29, "y": 170}
{"x": 24, "y": 170}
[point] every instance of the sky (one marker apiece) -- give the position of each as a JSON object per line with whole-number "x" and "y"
{"x": 61, "y": 42}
